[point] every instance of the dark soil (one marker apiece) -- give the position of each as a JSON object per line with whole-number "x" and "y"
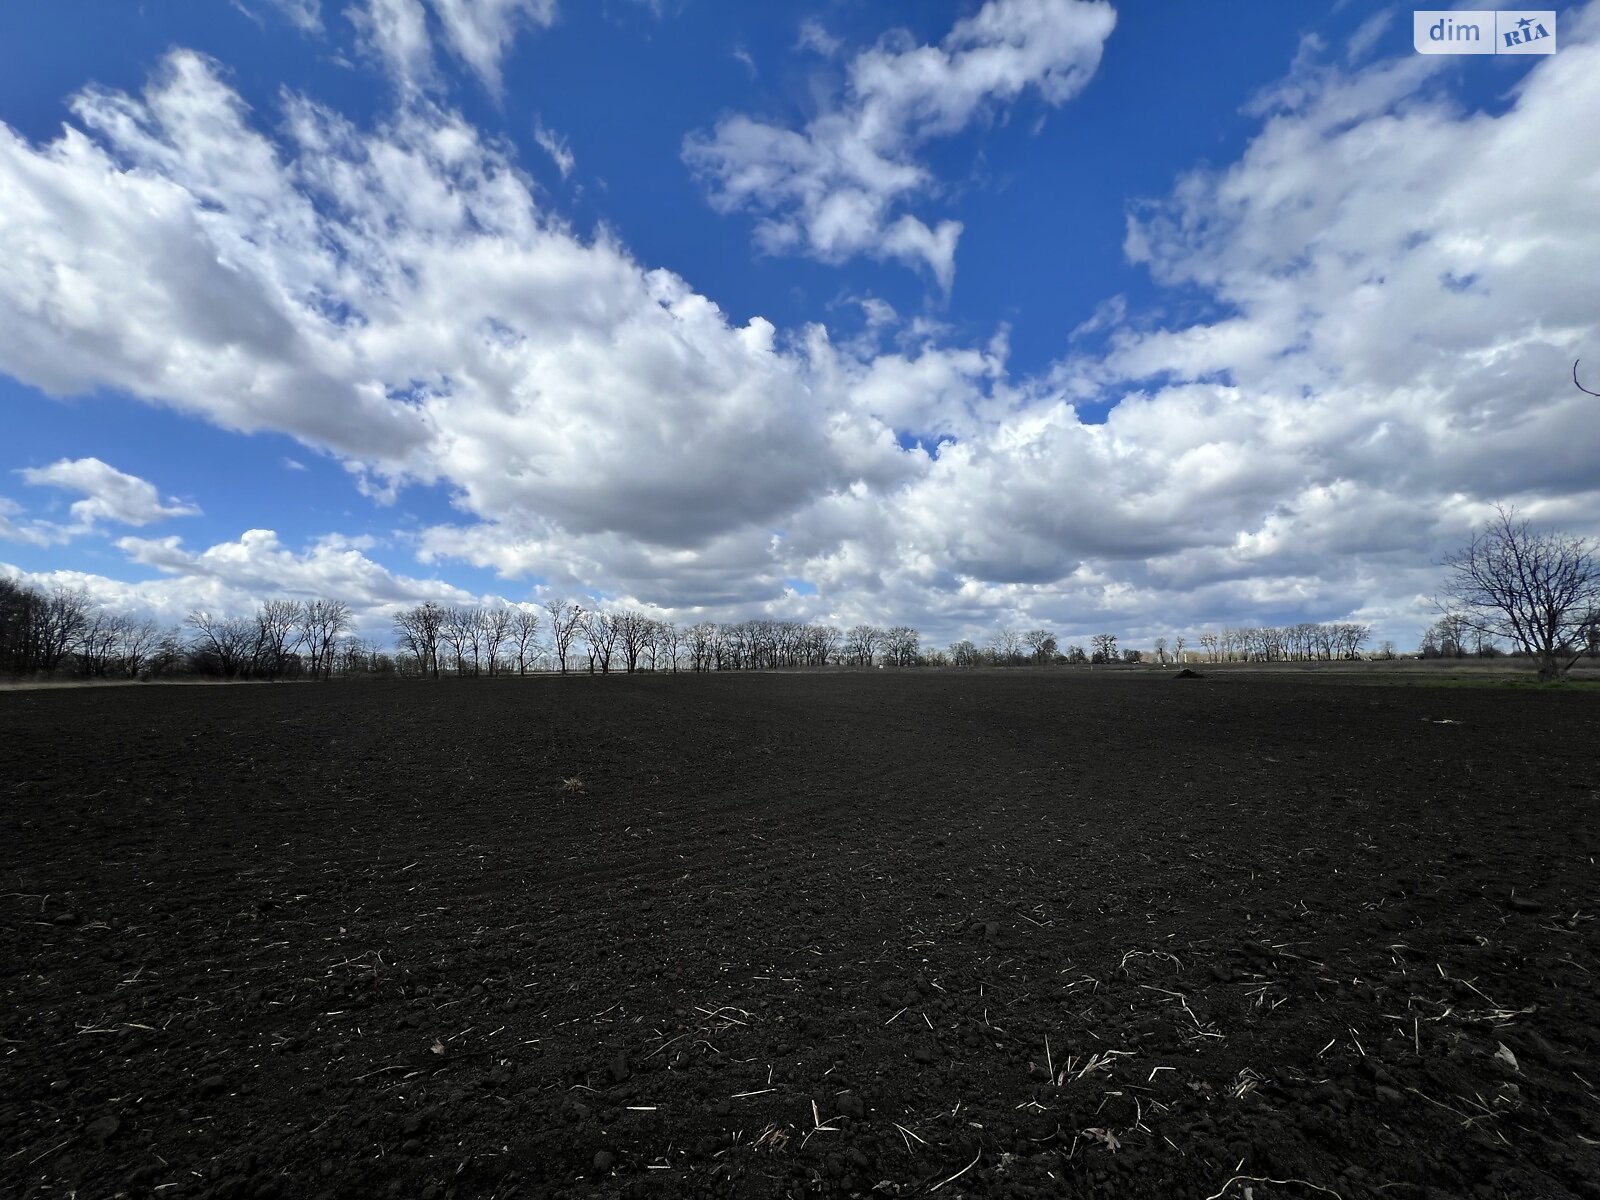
{"x": 785, "y": 935}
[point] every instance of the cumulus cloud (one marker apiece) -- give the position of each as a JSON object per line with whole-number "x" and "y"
{"x": 397, "y": 298}
{"x": 838, "y": 187}
{"x": 234, "y": 577}
{"x": 108, "y": 495}
{"x": 1400, "y": 286}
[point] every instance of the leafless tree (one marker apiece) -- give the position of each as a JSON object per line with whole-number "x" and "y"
{"x": 279, "y": 633}
{"x": 823, "y": 643}
{"x": 419, "y": 630}
{"x": 462, "y": 632}
{"x": 633, "y": 632}
{"x": 653, "y": 644}
{"x": 1589, "y": 634}
{"x": 321, "y": 623}
{"x": 1105, "y": 647}
{"x": 900, "y": 644}
{"x": 1178, "y": 643}
{"x": 1352, "y": 636}
{"x": 600, "y": 630}
{"x": 137, "y": 639}
{"x": 1042, "y": 643}
{"x": 702, "y": 641}
{"x": 861, "y": 644}
{"x": 498, "y": 623}
{"x": 227, "y": 642}
{"x": 669, "y": 639}
{"x": 1161, "y": 650}
{"x": 524, "y": 634}
{"x": 61, "y": 620}
{"x": 97, "y": 641}
{"x": 1005, "y": 646}
{"x": 1535, "y": 589}
{"x": 565, "y": 618}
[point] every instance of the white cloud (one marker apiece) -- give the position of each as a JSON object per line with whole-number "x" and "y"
{"x": 814, "y": 36}
{"x": 11, "y": 531}
{"x": 1368, "y": 34}
{"x": 108, "y": 495}
{"x": 398, "y": 299}
{"x": 1401, "y": 287}
{"x": 556, "y": 147}
{"x": 234, "y": 577}
{"x": 478, "y": 32}
{"x": 304, "y": 15}
{"x": 396, "y": 31}
{"x": 837, "y": 188}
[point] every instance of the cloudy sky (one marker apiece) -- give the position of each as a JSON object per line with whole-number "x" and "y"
{"x": 955, "y": 313}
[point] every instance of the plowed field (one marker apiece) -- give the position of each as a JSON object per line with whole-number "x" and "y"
{"x": 989, "y": 934}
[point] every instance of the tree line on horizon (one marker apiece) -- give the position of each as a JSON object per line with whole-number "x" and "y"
{"x": 1539, "y": 592}
{"x": 63, "y": 632}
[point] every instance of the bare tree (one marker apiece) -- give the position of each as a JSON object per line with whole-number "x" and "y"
{"x": 498, "y": 623}
{"x": 1105, "y": 647}
{"x": 462, "y": 631}
{"x": 702, "y": 640}
{"x": 419, "y": 630}
{"x": 822, "y": 644}
{"x": 321, "y": 623}
{"x": 1349, "y": 637}
{"x": 861, "y": 644}
{"x": 670, "y": 640}
{"x": 633, "y": 630}
{"x": 565, "y": 617}
{"x": 524, "y": 635}
{"x": 226, "y": 643}
{"x": 136, "y": 642}
{"x": 900, "y": 646}
{"x": 1043, "y": 644}
{"x": 1005, "y": 646}
{"x": 600, "y": 630}
{"x": 279, "y": 634}
{"x": 1161, "y": 650}
{"x": 97, "y": 641}
{"x": 60, "y": 622}
{"x": 1535, "y": 589}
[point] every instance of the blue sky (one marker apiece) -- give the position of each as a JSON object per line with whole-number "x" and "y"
{"x": 955, "y": 314}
